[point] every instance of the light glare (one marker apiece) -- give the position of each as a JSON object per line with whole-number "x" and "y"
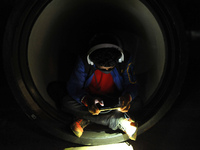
{"x": 118, "y": 146}
{"x": 130, "y": 130}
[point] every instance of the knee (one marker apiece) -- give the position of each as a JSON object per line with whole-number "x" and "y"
{"x": 70, "y": 105}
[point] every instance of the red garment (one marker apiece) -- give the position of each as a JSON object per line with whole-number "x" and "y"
{"x": 102, "y": 83}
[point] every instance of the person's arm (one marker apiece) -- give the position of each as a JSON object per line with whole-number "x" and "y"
{"x": 75, "y": 85}
{"x": 130, "y": 87}
{"x": 76, "y": 89}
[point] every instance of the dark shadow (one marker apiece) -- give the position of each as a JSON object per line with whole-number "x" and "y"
{"x": 57, "y": 91}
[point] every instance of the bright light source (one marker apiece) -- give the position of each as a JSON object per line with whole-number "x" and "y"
{"x": 118, "y": 146}
{"x": 130, "y": 130}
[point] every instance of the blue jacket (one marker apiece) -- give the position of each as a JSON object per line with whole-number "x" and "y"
{"x": 79, "y": 80}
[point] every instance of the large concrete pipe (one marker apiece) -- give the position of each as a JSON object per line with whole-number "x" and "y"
{"x": 43, "y": 38}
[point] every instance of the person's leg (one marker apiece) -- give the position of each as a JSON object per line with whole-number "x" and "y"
{"x": 114, "y": 119}
{"x": 110, "y": 119}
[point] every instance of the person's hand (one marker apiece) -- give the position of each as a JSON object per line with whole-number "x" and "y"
{"x": 91, "y": 103}
{"x": 92, "y": 107}
{"x": 124, "y": 102}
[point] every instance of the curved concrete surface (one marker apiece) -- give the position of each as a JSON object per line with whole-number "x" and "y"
{"x": 42, "y": 49}
{"x": 64, "y": 28}
{"x": 179, "y": 129}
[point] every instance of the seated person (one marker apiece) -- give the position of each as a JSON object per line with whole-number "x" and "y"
{"x": 101, "y": 79}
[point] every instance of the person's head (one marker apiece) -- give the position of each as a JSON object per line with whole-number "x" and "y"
{"x": 105, "y": 52}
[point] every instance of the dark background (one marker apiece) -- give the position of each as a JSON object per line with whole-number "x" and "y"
{"x": 178, "y": 130}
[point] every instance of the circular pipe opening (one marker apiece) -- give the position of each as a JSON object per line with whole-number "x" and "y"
{"x": 64, "y": 29}
{"x": 43, "y": 47}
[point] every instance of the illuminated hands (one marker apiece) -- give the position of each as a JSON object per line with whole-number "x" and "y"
{"x": 124, "y": 102}
{"x": 92, "y": 105}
